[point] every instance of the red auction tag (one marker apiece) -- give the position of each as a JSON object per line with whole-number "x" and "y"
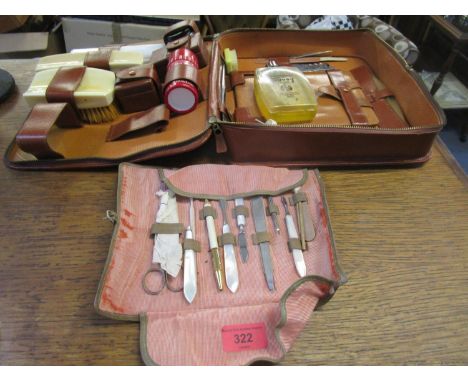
{"x": 244, "y": 337}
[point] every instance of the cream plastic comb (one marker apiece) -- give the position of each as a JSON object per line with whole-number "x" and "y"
{"x": 118, "y": 60}
{"x": 94, "y": 96}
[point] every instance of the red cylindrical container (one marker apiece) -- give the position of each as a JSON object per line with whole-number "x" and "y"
{"x": 180, "y": 95}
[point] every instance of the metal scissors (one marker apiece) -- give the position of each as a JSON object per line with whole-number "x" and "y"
{"x": 164, "y": 283}
{"x": 155, "y": 269}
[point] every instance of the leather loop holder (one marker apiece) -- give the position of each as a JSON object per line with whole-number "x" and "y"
{"x": 32, "y": 137}
{"x": 388, "y": 118}
{"x": 351, "y": 104}
{"x": 99, "y": 59}
{"x": 63, "y": 85}
{"x": 156, "y": 118}
{"x": 138, "y": 88}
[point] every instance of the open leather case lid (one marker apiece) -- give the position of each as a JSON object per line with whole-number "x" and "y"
{"x": 372, "y": 110}
{"x": 174, "y": 332}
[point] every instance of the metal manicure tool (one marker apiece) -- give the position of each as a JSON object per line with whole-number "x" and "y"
{"x": 213, "y": 240}
{"x": 190, "y": 264}
{"x": 258, "y": 213}
{"x": 241, "y": 240}
{"x": 292, "y": 234}
{"x": 274, "y": 215}
{"x": 230, "y": 263}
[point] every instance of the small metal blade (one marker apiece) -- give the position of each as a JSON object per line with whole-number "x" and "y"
{"x": 244, "y": 253}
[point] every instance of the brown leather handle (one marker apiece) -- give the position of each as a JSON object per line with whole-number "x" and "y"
{"x": 32, "y": 137}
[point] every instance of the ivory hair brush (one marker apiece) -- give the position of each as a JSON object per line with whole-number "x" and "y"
{"x": 93, "y": 95}
{"x": 116, "y": 60}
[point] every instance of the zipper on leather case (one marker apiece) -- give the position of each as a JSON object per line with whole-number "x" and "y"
{"x": 216, "y": 127}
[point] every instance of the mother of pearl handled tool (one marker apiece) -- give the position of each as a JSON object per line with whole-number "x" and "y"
{"x": 190, "y": 263}
{"x": 298, "y": 256}
{"x": 230, "y": 263}
{"x": 213, "y": 242}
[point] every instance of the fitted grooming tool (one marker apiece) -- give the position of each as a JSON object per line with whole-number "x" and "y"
{"x": 230, "y": 263}
{"x": 307, "y": 221}
{"x": 258, "y": 213}
{"x": 145, "y": 49}
{"x": 313, "y": 67}
{"x": 167, "y": 252}
{"x": 90, "y": 90}
{"x": 113, "y": 60}
{"x": 180, "y": 95}
{"x": 190, "y": 263}
{"x": 213, "y": 242}
{"x": 293, "y": 242}
{"x": 284, "y": 94}
{"x": 241, "y": 240}
{"x": 300, "y": 221}
{"x": 273, "y": 212}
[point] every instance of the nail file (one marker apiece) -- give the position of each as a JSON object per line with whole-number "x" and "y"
{"x": 190, "y": 264}
{"x": 230, "y": 263}
{"x": 241, "y": 240}
{"x": 298, "y": 256}
{"x": 259, "y": 217}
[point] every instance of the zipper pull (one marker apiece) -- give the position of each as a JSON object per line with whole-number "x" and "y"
{"x": 221, "y": 146}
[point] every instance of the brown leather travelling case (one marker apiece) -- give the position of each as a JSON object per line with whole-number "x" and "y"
{"x": 373, "y": 109}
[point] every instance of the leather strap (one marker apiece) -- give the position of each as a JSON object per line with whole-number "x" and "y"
{"x": 272, "y": 209}
{"x": 299, "y": 197}
{"x": 167, "y": 228}
{"x": 207, "y": 211}
{"x": 64, "y": 84}
{"x": 260, "y": 237}
{"x": 237, "y": 78}
{"x": 179, "y": 30}
{"x": 156, "y": 118}
{"x": 32, "y": 137}
{"x": 99, "y": 59}
{"x": 242, "y": 114}
{"x": 192, "y": 244}
{"x": 240, "y": 210}
{"x": 227, "y": 238}
{"x": 351, "y": 104}
{"x": 137, "y": 73}
{"x": 388, "y": 118}
{"x": 294, "y": 244}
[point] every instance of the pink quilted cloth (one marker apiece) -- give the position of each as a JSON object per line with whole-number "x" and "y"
{"x": 175, "y": 332}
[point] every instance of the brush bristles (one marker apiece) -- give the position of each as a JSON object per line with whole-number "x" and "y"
{"x": 100, "y": 114}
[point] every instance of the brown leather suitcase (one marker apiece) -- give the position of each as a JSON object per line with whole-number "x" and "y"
{"x": 373, "y": 109}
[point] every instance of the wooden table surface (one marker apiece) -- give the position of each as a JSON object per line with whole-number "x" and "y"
{"x": 401, "y": 235}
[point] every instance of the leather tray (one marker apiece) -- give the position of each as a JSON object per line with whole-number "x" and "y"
{"x": 333, "y": 138}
